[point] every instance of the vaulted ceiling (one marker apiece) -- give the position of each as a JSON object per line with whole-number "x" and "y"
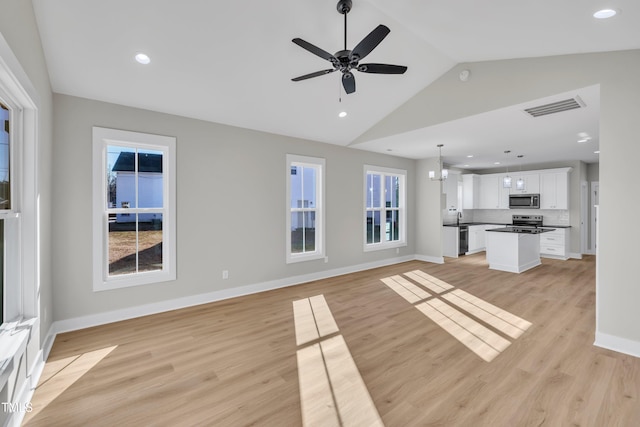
{"x": 232, "y": 62}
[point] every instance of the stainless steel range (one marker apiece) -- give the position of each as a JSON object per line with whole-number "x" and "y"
{"x": 523, "y": 221}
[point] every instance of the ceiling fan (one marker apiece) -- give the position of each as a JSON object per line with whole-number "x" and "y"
{"x": 346, "y": 60}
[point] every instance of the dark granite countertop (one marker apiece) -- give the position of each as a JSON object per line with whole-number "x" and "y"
{"x": 475, "y": 223}
{"x": 500, "y": 223}
{"x": 522, "y": 230}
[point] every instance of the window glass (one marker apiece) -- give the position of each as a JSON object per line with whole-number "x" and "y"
{"x": 373, "y": 199}
{"x": 150, "y": 179}
{"x": 296, "y": 186}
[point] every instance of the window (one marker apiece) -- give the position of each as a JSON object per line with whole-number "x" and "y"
{"x": 19, "y": 268}
{"x": 305, "y": 208}
{"x": 385, "y": 211}
{"x": 133, "y": 208}
{"x": 5, "y": 197}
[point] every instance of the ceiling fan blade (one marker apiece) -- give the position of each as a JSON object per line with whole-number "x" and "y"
{"x": 348, "y": 82}
{"x": 382, "y": 68}
{"x": 316, "y": 74}
{"x": 315, "y": 50}
{"x": 370, "y": 42}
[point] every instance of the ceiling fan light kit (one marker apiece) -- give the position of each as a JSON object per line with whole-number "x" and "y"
{"x": 347, "y": 60}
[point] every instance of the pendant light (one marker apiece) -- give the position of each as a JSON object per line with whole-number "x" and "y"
{"x": 506, "y": 181}
{"x": 442, "y": 172}
{"x": 520, "y": 181}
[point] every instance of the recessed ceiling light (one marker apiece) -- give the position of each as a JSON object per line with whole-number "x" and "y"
{"x": 496, "y": 163}
{"x": 470, "y": 156}
{"x": 605, "y": 13}
{"x": 583, "y": 140}
{"x": 143, "y": 58}
{"x": 342, "y": 114}
{"x": 596, "y": 152}
{"x": 466, "y": 166}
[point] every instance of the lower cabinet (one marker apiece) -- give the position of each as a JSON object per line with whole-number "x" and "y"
{"x": 555, "y": 244}
{"x": 450, "y": 241}
{"x": 476, "y": 239}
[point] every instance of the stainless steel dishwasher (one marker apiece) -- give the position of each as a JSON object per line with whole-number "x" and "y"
{"x": 463, "y": 246}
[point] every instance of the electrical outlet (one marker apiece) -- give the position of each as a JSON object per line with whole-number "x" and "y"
{"x": 225, "y": 274}
{"x": 397, "y": 250}
{"x": 326, "y": 259}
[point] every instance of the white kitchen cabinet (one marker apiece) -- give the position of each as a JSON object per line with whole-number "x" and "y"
{"x": 476, "y": 239}
{"x": 451, "y": 192}
{"x": 531, "y": 183}
{"x": 450, "y": 241}
{"x": 493, "y": 195}
{"x": 470, "y": 191}
{"x": 555, "y": 244}
{"x": 554, "y": 190}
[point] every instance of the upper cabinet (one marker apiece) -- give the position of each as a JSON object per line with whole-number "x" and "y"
{"x": 451, "y": 191}
{"x": 554, "y": 191}
{"x": 492, "y": 194}
{"x": 525, "y": 183}
{"x": 470, "y": 191}
{"x": 488, "y": 192}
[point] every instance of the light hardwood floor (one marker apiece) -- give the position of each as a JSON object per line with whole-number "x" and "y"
{"x": 235, "y": 362}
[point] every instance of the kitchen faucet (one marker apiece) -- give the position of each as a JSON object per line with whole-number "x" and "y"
{"x": 459, "y": 218}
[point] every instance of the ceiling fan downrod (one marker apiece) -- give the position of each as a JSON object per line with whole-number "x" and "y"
{"x": 344, "y": 7}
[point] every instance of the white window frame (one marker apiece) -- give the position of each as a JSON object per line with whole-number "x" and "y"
{"x": 319, "y": 165}
{"x": 402, "y": 208}
{"x": 22, "y": 242}
{"x": 103, "y": 137}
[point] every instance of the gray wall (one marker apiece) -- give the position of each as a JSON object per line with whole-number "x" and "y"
{"x": 19, "y": 30}
{"x": 231, "y": 206}
{"x": 498, "y": 84}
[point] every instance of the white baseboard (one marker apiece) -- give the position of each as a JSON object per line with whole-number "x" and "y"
{"x": 433, "y": 259}
{"x": 621, "y": 345}
{"x": 83, "y": 322}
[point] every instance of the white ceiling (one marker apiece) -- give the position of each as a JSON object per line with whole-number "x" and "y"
{"x": 232, "y": 62}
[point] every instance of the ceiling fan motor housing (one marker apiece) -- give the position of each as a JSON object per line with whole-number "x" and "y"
{"x": 344, "y": 6}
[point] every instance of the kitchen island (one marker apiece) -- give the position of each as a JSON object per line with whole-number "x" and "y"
{"x": 514, "y": 249}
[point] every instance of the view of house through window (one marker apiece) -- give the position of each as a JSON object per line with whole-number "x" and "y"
{"x": 305, "y": 206}
{"x": 384, "y": 208}
{"x": 135, "y": 193}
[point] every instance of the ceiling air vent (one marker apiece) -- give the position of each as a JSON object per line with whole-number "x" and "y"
{"x": 555, "y": 107}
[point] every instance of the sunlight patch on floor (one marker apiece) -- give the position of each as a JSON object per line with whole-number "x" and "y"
{"x": 405, "y": 289}
{"x": 313, "y": 319}
{"x": 332, "y": 392}
{"x": 59, "y": 375}
{"x": 505, "y": 322}
{"x": 428, "y": 281}
{"x": 479, "y": 338}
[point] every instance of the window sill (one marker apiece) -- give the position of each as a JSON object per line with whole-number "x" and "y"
{"x": 14, "y": 337}
{"x": 382, "y": 246}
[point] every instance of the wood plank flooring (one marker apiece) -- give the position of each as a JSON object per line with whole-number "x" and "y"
{"x": 235, "y": 362}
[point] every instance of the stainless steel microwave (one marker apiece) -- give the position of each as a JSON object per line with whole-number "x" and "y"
{"x": 524, "y": 201}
